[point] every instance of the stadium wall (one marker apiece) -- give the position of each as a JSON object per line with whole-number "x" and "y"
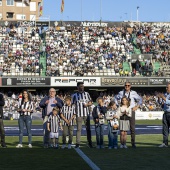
{"x": 79, "y": 23}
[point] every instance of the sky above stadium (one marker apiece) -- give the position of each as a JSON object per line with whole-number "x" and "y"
{"x": 111, "y": 10}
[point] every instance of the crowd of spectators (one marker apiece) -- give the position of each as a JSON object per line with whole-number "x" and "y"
{"x": 150, "y": 100}
{"x": 91, "y": 49}
{"x": 19, "y": 51}
{"x": 76, "y": 50}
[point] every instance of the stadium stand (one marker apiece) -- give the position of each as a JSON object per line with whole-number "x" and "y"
{"x": 84, "y": 51}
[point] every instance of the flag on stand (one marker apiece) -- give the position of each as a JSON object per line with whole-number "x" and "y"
{"x": 62, "y": 6}
{"x": 40, "y": 8}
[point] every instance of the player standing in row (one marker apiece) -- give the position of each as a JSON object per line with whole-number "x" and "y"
{"x": 82, "y": 101}
{"x": 135, "y": 101}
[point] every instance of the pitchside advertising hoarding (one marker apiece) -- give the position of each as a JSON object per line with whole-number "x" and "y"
{"x": 26, "y": 81}
{"x": 119, "y": 81}
{"x": 72, "y": 81}
{"x": 152, "y": 115}
{"x": 138, "y": 82}
{"x": 88, "y": 81}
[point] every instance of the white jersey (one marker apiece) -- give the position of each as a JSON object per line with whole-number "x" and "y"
{"x": 68, "y": 112}
{"x": 54, "y": 123}
{"x": 79, "y": 99}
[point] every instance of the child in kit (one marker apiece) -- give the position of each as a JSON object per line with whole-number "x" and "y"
{"x": 53, "y": 126}
{"x": 68, "y": 115}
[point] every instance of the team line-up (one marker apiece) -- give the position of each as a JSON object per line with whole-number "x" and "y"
{"x": 119, "y": 115}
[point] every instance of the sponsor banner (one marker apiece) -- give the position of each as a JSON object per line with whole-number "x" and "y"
{"x": 113, "y": 81}
{"x": 94, "y": 24}
{"x": 140, "y": 57}
{"x": 167, "y": 81}
{"x": 26, "y": 81}
{"x": 72, "y": 81}
{"x": 149, "y": 115}
{"x": 158, "y": 81}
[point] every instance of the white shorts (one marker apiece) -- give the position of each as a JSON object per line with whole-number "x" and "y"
{"x": 54, "y": 135}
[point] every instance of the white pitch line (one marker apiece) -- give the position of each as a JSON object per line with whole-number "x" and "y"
{"x": 87, "y": 159}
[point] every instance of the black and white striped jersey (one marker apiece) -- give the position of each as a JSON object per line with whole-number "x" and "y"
{"x": 68, "y": 112}
{"x": 79, "y": 99}
{"x": 54, "y": 123}
{"x": 25, "y": 105}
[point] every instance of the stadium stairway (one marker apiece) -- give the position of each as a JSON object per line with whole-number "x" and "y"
{"x": 136, "y": 50}
{"x": 126, "y": 66}
{"x": 43, "y": 63}
{"x": 156, "y": 66}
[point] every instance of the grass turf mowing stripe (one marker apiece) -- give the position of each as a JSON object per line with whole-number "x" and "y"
{"x": 87, "y": 160}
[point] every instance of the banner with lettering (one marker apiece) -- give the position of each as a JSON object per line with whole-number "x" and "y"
{"x": 72, "y": 81}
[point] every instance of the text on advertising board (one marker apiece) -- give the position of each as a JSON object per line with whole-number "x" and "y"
{"x": 121, "y": 81}
{"x": 72, "y": 81}
{"x": 32, "y": 81}
{"x": 157, "y": 81}
{"x": 94, "y": 24}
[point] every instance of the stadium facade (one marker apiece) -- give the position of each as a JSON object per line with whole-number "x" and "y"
{"x": 14, "y": 10}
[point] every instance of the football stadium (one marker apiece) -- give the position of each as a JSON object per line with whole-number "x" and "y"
{"x": 81, "y": 94}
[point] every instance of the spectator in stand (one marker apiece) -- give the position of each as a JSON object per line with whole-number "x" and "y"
{"x": 134, "y": 72}
{"x": 137, "y": 63}
{"x": 126, "y": 73}
{"x": 121, "y": 72}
